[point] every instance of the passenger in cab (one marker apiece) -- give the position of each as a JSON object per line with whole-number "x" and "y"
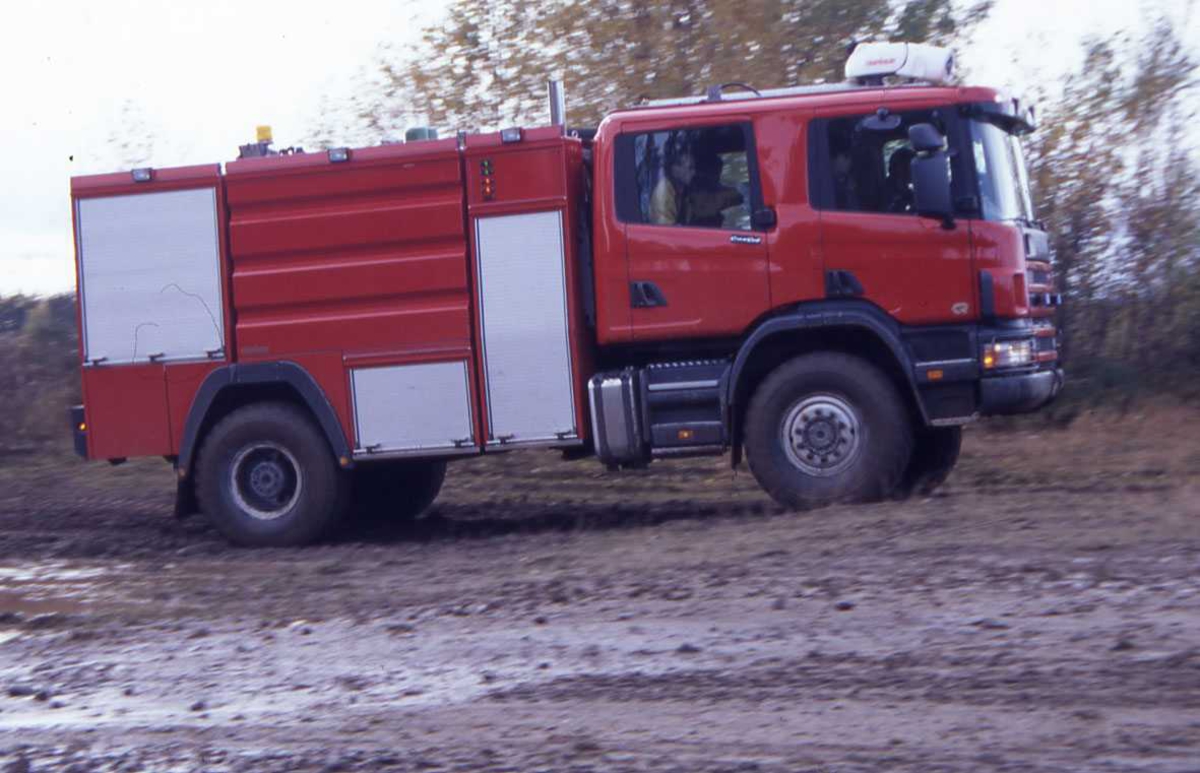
{"x": 668, "y": 202}
{"x": 707, "y": 197}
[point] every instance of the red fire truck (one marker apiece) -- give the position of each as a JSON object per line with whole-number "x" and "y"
{"x": 828, "y": 281}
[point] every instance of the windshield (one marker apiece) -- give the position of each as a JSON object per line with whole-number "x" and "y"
{"x": 1000, "y": 168}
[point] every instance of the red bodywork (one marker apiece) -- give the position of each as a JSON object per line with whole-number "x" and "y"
{"x": 335, "y": 266}
{"x": 542, "y": 173}
{"x": 371, "y": 262}
{"x": 139, "y": 410}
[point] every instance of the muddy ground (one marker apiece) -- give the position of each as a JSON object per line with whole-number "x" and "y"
{"x": 1042, "y": 613}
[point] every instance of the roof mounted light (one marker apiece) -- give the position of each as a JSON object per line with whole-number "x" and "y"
{"x": 338, "y": 155}
{"x": 512, "y": 134}
{"x": 143, "y": 175}
{"x": 870, "y": 63}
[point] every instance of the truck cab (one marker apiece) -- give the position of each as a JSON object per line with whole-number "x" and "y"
{"x": 891, "y": 223}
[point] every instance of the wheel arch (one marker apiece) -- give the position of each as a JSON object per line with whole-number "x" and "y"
{"x": 228, "y": 388}
{"x": 851, "y": 327}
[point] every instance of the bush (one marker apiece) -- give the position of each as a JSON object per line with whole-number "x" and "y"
{"x": 39, "y": 377}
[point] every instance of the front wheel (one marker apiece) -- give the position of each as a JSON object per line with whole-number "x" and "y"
{"x": 266, "y": 477}
{"x": 827, "y": 427}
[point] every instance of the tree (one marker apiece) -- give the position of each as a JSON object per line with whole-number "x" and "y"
{"x": 1115, "y": 179}
{"x": 1163, "y": 216}
{"x": 487, "y": 66}
{"x": 1074, "y": 173}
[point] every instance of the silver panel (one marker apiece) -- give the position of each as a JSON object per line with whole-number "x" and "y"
{"x": 151, "y": 276}
{"x": 527, "y": 359}
{"x": 412, "y": 407}
{"x": 943, "y": 363}
{"x": 670, "y": 386}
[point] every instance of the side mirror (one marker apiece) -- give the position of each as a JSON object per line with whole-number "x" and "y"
{"x": 931, "y": 186}
{"x": 925, "y": 138}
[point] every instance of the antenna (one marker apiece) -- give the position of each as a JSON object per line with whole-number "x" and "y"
{"x": 558, "y": 102}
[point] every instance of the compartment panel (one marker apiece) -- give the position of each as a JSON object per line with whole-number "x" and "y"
{"x": 419, "y": 407}
{"x": 523, "y": 313}
{"x": 150, "y": 276}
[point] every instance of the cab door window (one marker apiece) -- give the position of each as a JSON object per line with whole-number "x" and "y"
{"x": 692, "y": 178}
{"x": 864, "y": 162}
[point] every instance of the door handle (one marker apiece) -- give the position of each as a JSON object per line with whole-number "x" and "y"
{"x": 646, "y": 295}
{"x": 745, "y": 239}
{"x": 764, "y": 218}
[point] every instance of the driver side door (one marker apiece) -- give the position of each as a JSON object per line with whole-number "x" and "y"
{"x": 917, "y": 269}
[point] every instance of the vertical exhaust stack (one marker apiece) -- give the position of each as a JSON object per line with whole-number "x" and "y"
{"x": 558, "y": 103}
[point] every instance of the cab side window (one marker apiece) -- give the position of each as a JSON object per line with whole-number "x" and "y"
{"x": 865, "y": 163}
{"x": 697, "y": 178}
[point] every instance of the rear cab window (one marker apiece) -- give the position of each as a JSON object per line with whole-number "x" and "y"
{"x": 702, "y": 177}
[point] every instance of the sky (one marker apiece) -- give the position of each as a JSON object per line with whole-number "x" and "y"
{"x": 88, "y": 83}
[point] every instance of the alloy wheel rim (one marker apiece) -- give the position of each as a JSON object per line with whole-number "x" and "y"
{"x": 822, "y": 435}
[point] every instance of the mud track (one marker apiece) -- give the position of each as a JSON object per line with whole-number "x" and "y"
{"x": 1042, "y": 613}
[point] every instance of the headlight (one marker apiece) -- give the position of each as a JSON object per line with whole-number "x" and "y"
{"x": 1008, "y": 354}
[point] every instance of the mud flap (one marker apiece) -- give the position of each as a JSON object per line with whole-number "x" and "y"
{"x": 185, "y": 499}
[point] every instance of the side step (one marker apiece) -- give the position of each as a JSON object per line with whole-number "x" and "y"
{"x": 683, "y": 406}
{"x": 665, "y": 409}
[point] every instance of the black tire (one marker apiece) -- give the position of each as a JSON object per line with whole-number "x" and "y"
{"x": 396, "y": 492}
{"x": 934, "y": 456}
{"x": 849, "y": 434}
{"x": 266, "y": 477}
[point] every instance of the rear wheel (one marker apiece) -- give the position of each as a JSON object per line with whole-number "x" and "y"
{"x": 934, "y": 456}
{"x": 827, "y": 427}
{"x": 395, "y": 492}
{"x": 266, "y": 477}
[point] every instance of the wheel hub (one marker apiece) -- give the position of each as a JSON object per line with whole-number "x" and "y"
{"x": 821, "y": 434}
{"x": 265, "y": 479}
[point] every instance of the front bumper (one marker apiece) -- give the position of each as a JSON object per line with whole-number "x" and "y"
{"x": 1019, "y": 392}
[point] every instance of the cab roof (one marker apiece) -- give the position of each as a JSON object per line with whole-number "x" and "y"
{"x": 847, "y": 95}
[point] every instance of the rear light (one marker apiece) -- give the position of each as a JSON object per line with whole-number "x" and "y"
{"x": 1008, "y": 354}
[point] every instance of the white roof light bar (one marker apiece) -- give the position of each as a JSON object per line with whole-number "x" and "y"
{"x": 870, "y": 63}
